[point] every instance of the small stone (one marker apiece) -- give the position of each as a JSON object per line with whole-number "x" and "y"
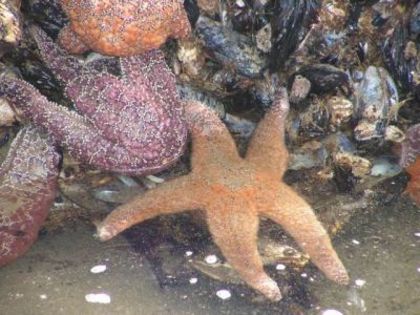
{"x": 280, "y": 267}
{"x": 98, "y": 269}
{"x": 417, "y": 234}
{"x": 193, "y": 280}
{"x": 418, "y": 269}
{"x": 101, "y": 298}
{"x": 43, "y": 296}
{"x": 360, "y": 282}
{"x": 304, "y": 275}
{"x": 188, "y": 253}
{"x": 224, "y": 294}
{"x": 355, "y": 242}
{"x": 331, "y": 312}
{"x": 211, "y": 259}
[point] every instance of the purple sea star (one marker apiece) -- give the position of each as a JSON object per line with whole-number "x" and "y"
{"x": 131, "y": 124}
{"x": 28, "y": 182}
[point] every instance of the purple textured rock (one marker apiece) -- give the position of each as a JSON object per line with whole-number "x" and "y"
{"x": 28, "y": 184}
{"x": 131, "y": 124}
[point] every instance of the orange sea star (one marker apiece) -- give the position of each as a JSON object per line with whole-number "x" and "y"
{"x": 234, "y": 192}
{"x": 122, "y": 27}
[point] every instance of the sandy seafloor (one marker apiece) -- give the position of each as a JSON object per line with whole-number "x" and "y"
{"x": 381, "y": 251}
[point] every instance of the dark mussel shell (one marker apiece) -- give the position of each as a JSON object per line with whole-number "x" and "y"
{"x": 230, "y": 48}
{"x": 290, "y": 21}
{"x": 325, "y": 78}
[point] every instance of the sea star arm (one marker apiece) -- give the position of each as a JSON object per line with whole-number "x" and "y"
{"x": 234, "y": 228}
{"x": 28, "y": 185}
{"x": 76, "y": 133}
{"x": 150, "y": 70}
{"x": 297, "y": 217}
{"x": 210, "y": 137}
{"x": 171, "y": 197}
{"x": 152, "y": 67}
{"x": 267, "y": 142}
{"x": 65, "y": 67}
{"x": 70, "y": 41}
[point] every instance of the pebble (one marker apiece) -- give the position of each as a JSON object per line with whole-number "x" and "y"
{"x": 355, "y": 242}
{"x": 418, "y": 269}
{"x": 224, "y": 294}
{"x": 101, "y": 298}
{"x": 188, "y": 253}
{"x": 280, "y": 267}
{"x": 331, "y": 312}
{"x": 43, "y": 296}
{"x": 417, "y": 234}
{"x": 98, "y": 269}
{"x": 211, "y": 259}
{"x": 304, "y": 275}
{"x": 360, "y": 282}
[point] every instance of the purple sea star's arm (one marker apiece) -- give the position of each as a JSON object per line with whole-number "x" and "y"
{"x": 64, "y": 67}
{"x": 411, "y": 146}
{"x": 150, "y": 67}
{"x": 81, "y": 137}
{"x": 139, "y": 113}
{"x": 28, "y": 184}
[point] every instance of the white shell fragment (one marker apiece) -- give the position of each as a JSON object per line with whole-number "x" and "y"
{"x": 155, "y": 179}
{"x": 224, "y": 294}
{"x": 211, "y": 259}
{"x": 98, "y": 269}
{"x": 280, "y": 267}
{"x": 193, "y": 280}
{"x": 331, "y": 312}
{"x": 360, "y": 282}
{"x": 101, "y": 298}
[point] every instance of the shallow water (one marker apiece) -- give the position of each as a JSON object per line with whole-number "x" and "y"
{"x": 381, "y": 251}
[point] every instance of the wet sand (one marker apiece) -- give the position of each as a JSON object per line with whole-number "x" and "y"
{"x": 381, "y": 251}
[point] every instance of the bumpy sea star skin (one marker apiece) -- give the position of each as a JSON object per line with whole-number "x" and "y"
{"x": 132, "y": 125}
{"x": 411, "y": 146}
{"x": 413, "y": 185}
{"x": 122, "y": 27}
{"x": 28, "y": 184}
{"x": 234, "y": 192}
{"x": 409, "y": 159}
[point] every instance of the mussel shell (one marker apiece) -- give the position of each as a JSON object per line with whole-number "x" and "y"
{"x": 415, "y": 21}
{"x": 48, "y": 14}
{"x": 230, "y": 48}
{"x": 325, "y": 78}
{"x": 290, "y": 22}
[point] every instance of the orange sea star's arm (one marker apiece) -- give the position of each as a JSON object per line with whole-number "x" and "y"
{"x": 267, "y": 150}
{"x": 174, "y": 196}
{"x": 299, "y": 220}
{"x": 234, "y": 227}
{"x": 210, "y": 136}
